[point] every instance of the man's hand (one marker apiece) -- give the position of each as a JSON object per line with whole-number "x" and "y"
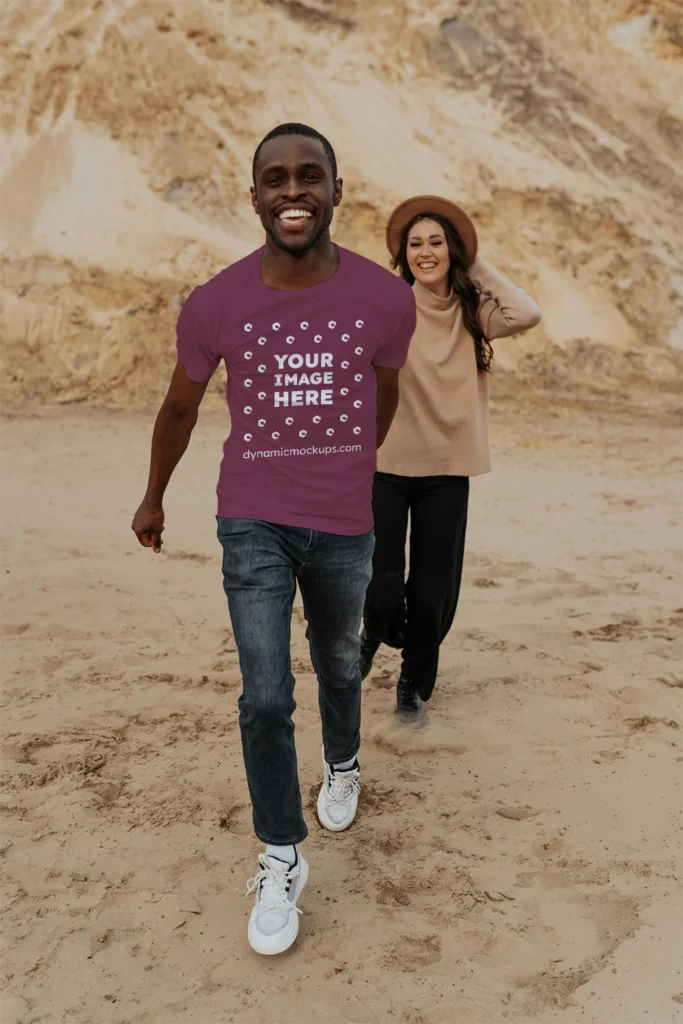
{"x": 148, "y": 525}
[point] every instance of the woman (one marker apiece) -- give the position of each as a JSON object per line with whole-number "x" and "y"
{"x": 439, "y": 438}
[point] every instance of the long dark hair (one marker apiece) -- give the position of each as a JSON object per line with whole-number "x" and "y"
{"x": 460, "y": 281}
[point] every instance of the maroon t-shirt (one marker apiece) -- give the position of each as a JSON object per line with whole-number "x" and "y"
{"x": 302, "y": 391}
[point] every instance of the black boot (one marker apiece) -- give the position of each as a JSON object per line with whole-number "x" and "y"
{"x": 368, "y": 650}
{"x": 409, "y": 707}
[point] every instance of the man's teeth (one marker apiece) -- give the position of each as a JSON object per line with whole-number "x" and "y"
{"x": 294, "y": 214}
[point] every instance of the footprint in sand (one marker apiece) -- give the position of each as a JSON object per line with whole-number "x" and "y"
{"x": 413, "y": 952}
{"x": 15, "y": 630}
{"x": 236, "y": 818}
{"x": 671, "y": 679}
{"x": 517, "y": 812}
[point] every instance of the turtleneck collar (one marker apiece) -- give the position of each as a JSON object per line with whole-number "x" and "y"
{"x": 427, "y": 300}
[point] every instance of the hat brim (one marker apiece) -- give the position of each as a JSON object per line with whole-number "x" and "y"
{"x": 453, "y": 213}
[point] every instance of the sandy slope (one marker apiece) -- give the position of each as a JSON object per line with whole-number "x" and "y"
{"x": 518, "y": 859}
{"x": 128, "y": 127}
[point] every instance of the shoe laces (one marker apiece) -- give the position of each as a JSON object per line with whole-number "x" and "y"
{"x": 273, "y": 886}
{"x": 344, "y": 785}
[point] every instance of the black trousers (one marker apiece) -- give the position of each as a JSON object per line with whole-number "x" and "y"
{"x": 415, "y": 615}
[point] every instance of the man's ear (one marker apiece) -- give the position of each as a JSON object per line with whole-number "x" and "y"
{"x": 338, "y": 191}
{"x": 254, "y": 200}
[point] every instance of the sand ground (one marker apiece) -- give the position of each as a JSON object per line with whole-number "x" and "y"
{"x": 516, "y": 860}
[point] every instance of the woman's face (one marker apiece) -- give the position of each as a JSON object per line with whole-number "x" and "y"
{"x": 428, "y": 257}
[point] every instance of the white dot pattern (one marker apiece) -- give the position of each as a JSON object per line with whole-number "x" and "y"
{"x": 305, "y": 372}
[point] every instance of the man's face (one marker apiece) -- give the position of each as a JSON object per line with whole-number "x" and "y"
{"x": 295, "y": 193}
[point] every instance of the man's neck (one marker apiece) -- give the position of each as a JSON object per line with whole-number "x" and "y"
{"x": 280, "y": 269}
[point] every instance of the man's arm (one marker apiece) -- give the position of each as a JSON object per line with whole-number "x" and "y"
{"x": 387, "y": 400}
{"x": 174, "y": 425}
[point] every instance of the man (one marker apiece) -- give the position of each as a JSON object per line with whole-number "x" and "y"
{"x": 313, "y": 337}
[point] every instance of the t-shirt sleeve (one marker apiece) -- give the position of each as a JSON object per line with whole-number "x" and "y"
{"x": 195, "y": 340}
{"x": 394, "y": 352}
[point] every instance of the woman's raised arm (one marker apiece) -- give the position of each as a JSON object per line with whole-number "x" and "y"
{"x": 504, "y": 309}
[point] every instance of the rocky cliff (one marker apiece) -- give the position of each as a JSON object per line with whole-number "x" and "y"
{"x": 128, "y": 130}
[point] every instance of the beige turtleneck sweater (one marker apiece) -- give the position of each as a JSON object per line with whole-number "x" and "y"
{"x": 441, "y": 426}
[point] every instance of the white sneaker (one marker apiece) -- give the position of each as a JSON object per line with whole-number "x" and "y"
{"x": 274, "y": 921}
{"x": 338, "y": 798}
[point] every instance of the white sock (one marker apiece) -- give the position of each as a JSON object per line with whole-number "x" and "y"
{"x": 285, "y": 853}
{"x": 344, "y": 766}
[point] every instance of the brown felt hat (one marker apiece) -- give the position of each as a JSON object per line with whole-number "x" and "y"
{"x": 410, "y": 208}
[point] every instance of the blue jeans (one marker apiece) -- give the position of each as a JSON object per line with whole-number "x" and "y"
{"x": 262, "y": 563}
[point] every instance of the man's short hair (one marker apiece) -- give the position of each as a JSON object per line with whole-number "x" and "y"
{"x": 293, "y": 128}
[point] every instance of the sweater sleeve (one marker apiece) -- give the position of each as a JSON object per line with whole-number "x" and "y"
{"x": 504, "y": 308}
